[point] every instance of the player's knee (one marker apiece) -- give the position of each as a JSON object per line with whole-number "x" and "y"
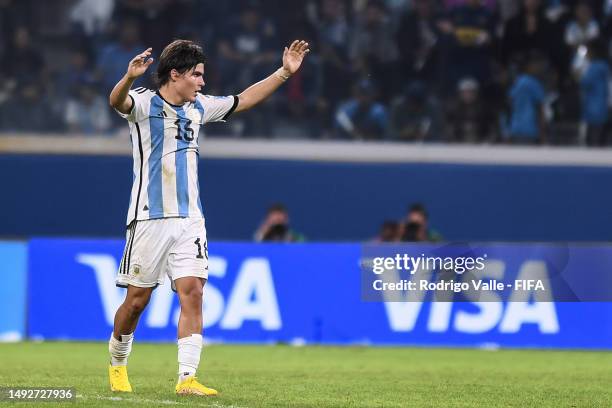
{"x": 193, "y": 297}
{"x": 136, "y": 305}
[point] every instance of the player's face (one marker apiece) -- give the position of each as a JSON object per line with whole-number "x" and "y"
{"x": 191, "y": 82}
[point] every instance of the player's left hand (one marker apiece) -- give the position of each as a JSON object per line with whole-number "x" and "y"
{"x": 294, "y": 55}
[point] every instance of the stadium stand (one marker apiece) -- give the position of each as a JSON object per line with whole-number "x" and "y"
{"x": 435, "y": 71}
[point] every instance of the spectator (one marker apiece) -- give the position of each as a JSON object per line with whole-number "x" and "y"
{"x": 468, "y": 118}
{"x": 416, "y": 226}
{"x": 373, "y": 49}
{"x": 92, "y": 16}
{"x": 594, "y": 96}
{"x": 247, "y": 49}
{"x": 302, "y": 105}
{"x": 529, "y": 31}
{"x": 24, "y": 98}
{"x": 247, "y": 53}
{"x": 583, "y": 28}
{"x": 87, "y": 111}
{"x": 414, "y": 117}
{"x": 25, "y": 64}
{"x": 469, "y": 30}
{"x": 158, "y": 20}
{"x": 527, "y": 99}
{"x": 77, "y": 69}
{"x": 417, "y": 38}
{"x": 116, "y": 55}
{"x": 362, "y": 117}
{"x": 579, "y": 32}
{"x": 275, "y": 227}
{"x": 333, "y": 31}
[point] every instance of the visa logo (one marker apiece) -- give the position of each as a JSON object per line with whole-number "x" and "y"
{"x": 252, "y": 297}
{"x": 523, "y": 307}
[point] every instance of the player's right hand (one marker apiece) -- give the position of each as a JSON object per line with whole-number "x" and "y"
{"x": 139, "y": 64}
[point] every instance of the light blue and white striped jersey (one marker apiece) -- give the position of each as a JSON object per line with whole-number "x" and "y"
{"x": 165, "y": 150}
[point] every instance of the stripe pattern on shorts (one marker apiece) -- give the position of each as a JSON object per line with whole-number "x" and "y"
{"x": 124, "y": 266}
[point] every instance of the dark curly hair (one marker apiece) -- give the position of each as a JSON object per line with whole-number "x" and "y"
{"x": 181, "y": 55}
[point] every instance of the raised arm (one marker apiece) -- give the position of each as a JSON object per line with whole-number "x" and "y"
{"x": 119, "y": 98}
{"x": 292, "y": 60}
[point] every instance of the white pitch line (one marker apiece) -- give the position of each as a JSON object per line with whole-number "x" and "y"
{"x": 136, "y": 400}
{"x": 151, "y": 401}
{"x": 217, "y": 405}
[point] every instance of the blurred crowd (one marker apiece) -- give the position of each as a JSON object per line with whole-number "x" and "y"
{"x": 477, "y": 71}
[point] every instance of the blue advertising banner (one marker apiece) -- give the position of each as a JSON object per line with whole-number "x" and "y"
{"x": 13, "y": 290}
{"x": 312, "y": 293}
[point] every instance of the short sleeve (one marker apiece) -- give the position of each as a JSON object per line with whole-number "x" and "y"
{"x": 141, "y": 98}
{"x": 217, "y": 108}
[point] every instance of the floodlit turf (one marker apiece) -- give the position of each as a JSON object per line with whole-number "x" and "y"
{"x": 282, "y": 376}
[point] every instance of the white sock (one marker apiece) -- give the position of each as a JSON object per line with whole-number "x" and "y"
{"x": 189, "y": 349}
{"x": 120, "y": 350}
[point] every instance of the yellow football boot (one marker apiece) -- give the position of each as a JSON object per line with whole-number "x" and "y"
{"x": 191, "y": 386}
{"x": 119, "y": 381}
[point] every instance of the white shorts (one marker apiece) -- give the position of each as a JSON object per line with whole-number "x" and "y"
{"x": 175, "y": 247}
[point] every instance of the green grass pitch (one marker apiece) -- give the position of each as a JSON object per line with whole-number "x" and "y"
{"x": 282, "y": 376}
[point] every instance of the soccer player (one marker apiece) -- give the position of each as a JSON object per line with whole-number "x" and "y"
{"x": 165, "y": 225}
